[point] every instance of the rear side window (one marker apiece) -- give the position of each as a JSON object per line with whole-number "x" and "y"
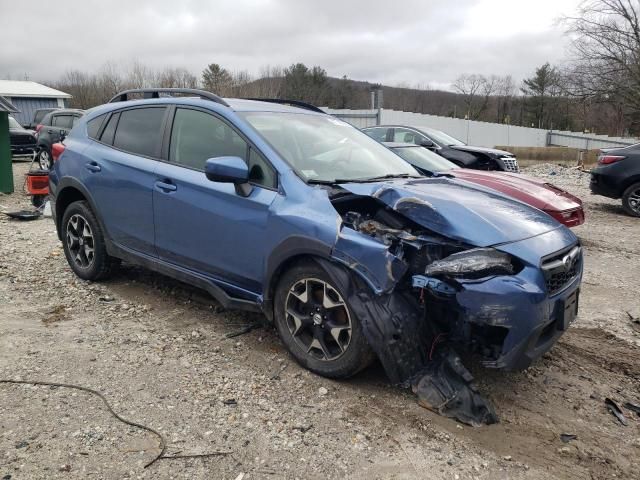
{"x": 62, "y": 121}
{"x": 93, "y": 125}
{"x": 379, "y": 134}
{"x": 140, "y": 131}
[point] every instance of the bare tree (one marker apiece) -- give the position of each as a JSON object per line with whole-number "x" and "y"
{"x": 606, "y": 51}
{"x": 476, "y": 91}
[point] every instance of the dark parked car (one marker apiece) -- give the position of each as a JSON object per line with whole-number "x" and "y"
{"x": 336, "y": 239}
{"x": 38, "y": 116}
{"x": 23, "y": 142}
{"x": 561, "y": 205}
{"x": 463, "y": 155}
{"x": 617, "y": 175}
{"x": 55, "y": 125}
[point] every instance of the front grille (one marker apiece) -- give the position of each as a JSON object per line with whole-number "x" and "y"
{"x": 561, "y": 268}
{"x": 23, "y": 140}
{"x": 510, "y": 164}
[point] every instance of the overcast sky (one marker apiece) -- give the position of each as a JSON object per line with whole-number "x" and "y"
{"x": 427, "y": 42}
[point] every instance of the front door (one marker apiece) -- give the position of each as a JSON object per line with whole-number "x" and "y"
{"x": 206, "y": 226}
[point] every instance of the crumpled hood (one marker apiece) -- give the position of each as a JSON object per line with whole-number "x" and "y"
{"x": 457, "y": 210}
{"x": 534, "y": 192}
{"x": 492, "y": 151}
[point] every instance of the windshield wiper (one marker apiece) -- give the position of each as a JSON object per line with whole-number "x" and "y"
{"x": 362, "y": 180}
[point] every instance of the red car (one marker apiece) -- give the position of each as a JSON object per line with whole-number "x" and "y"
{"x": 561, "y": 205}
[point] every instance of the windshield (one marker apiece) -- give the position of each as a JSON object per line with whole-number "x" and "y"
{"x": 426, "y": 160}
{"x": 13, "y": 123}
{"x": 324, "y": 149}
{"x": 442, "y": 138}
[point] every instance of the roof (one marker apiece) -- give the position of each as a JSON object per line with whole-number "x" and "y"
{"x": 6, "y": 106}
{"x": 20, "y": 88}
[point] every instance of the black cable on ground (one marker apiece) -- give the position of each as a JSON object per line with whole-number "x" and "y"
{"x": 163, "y": 445}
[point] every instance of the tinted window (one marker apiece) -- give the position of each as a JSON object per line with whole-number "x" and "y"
{"x": 93, "y": 126}
{"x": 62, "y": 121}
{"x": 140, "y": 131}
{"x": 198, "y": 136}
{"x": 110, "y": 129}
{"x": 260, "y": 172}
{"x": 40, "y": 115}
{"x": 403, "y": 135}
{"x": 380, "y": 134}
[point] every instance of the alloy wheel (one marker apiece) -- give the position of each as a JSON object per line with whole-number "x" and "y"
{"x": 80, "y": 241}
{"x": 44, "y": 160}
{"x": 318, "y": 319}
{"x": 634, "y": 201}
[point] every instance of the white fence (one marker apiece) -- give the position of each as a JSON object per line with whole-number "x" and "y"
{"x": 483, "y": 134}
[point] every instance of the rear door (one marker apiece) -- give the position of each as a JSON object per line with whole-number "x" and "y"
{"x": 203, "y": 225}
{"x": 120, "y": 173}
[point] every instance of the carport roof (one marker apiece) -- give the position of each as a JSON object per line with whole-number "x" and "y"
{"x": 21, "y": 88}
{"x": 6, "y": 106}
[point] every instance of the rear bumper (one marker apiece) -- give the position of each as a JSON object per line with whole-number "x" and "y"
{"x": 603, "y": 184}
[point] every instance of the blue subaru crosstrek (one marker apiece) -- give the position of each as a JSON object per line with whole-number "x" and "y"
{"x": 279, "y": 208}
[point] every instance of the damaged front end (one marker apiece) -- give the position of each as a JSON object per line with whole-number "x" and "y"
{"x": 431, "y": 296}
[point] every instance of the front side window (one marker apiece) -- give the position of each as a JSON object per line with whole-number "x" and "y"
{"x": 40, "y": 115}
{"x": 322, "y": 148}
{"x": 198, "y": 136}
{"x": 63, "y": 121}
{"x": 140, "y": 131}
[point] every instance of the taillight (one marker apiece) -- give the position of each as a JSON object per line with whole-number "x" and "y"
{"x": 56, "y": 151}
{"x": 607, "y": 159}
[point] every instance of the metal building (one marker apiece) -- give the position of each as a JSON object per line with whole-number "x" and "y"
{"x": 30, "y": 96}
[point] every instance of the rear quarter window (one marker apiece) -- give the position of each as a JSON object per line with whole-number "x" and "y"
{"x": 93, "y": 126}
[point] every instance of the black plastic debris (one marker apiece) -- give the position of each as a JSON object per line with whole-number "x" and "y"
{"x": 614, "y": 409}
{"x": 24, "y": 215}
{"x": 230, "y": 402}
{"x": 633, "y": 407}
{"x": 397, "y": 330}
{"x": 567, "y": 437}
{"x": 446, "y": 387}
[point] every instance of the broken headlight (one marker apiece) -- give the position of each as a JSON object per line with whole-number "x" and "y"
{"x": 474, "y": 263}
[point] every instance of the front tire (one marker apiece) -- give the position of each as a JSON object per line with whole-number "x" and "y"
{"x": 631, "y": 200}
{"x": 84, "y": 244}
{"x": 316, "y": 324}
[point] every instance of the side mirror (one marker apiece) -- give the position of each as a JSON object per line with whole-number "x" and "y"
{"x": 229, "y": 170}
{"x": 427, "y": 143}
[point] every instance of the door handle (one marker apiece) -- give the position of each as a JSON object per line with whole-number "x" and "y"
{"x": 166, "y": 187}
{"x": 93, "y": 167}
{"x": 50, "y": 131}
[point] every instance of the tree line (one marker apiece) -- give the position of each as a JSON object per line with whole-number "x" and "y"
{"x": 597, "y": 90}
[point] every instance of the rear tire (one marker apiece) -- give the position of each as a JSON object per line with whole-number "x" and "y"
{"x": 45, "y": 160}
{"x": 84, "y": 244}
{"x": 631, "y": 200}
{"x": 316, "y": 324}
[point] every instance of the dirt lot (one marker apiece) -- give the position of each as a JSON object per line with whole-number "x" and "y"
{"x": 157, "y": 350}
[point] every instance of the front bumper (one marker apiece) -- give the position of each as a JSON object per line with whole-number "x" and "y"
{"x": 512, "y": 320}
{"x": 23, "y": 149}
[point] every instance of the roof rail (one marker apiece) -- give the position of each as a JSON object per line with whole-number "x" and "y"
{"x": 295, "y": 103}
{"x": 155, "y": 93}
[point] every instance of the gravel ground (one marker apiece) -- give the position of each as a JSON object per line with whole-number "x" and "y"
{"x": 157, "y": 350}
